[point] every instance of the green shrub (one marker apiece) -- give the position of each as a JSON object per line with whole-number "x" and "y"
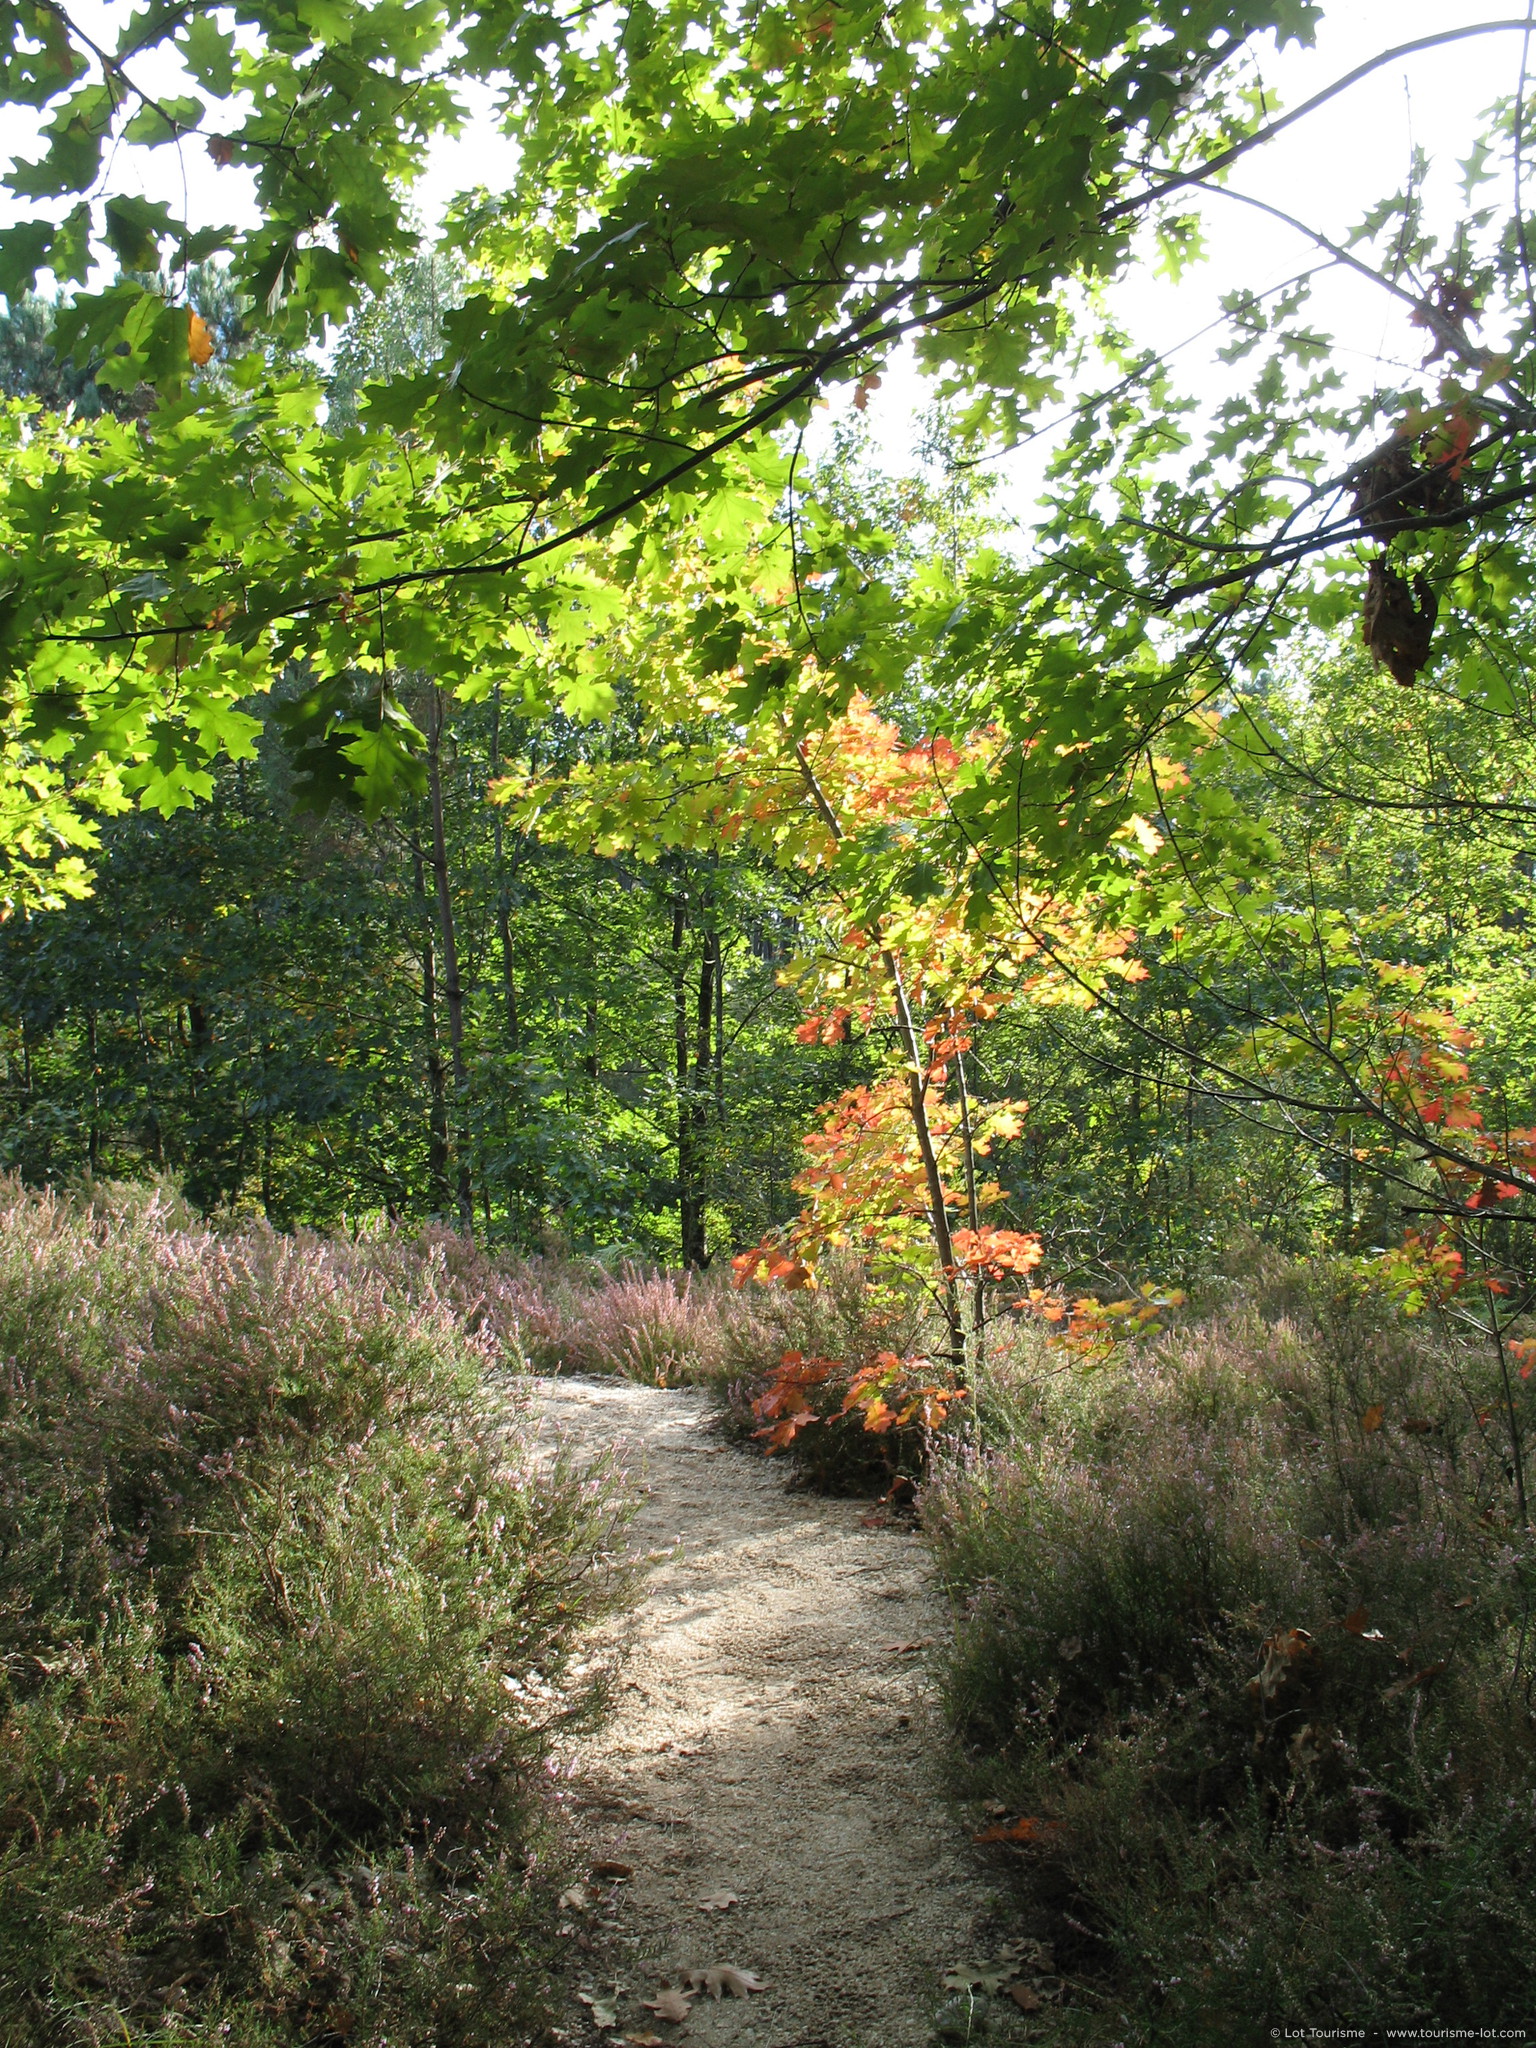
{"x": 1245, "y": 1624}
{"x": 289, "y": 1613}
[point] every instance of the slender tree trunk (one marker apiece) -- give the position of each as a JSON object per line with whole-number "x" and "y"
{"x": 93, "y": 1136}
{"x": 917, "y": 1093}
{"x": 719, "y": 1031}
{"x": 978, "y": 1331}
{"x": 503, "y": 888}
{"x": 437, "y": 1089}
{"x": 453, "y": 990}
{"x": 690, "y": 1213}
{"x": 700, "y": 1103}
{"x": 266, "y": 1150}
{"x": 152, "y": 1120}
{"x": 591, "y": 1061}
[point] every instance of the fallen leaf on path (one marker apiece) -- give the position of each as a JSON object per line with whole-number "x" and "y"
{"x": 669, "y": 2005}
{"x": 1024, "y": 1998}
{"x": 604, "y": 2011}
{"x": 725, "y": 1977}
{"x": 611, "y": 1870}
{"x": 576, "y": 1899}
{"x": 901, "y": 1649}
{"x": 719, "y": 1902}
{"x": 645, "y": 2041}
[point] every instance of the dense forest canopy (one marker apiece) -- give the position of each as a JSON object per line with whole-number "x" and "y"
{"x": 1105, "y": 878}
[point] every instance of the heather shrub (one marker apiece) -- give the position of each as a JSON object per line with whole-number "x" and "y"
{"x": 665, "y": 1329}
{"x": 1242, "y": 1627}
{"x": 568, "y": 1315}
{"x": 289, "y": 1611}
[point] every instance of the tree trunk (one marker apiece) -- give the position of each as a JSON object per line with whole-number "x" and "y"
{"x": 590, "y": 1060}
{"x": 93, "y": 1136}
{"x": 437, "y": 1090}
{"x": 978, "y": 1330}
{"x": 453, "y": 991}
{"x": 917, "y": 1092}
{"x": 719, "y": 1032}
{"x": 690, "y": 1208}
{"x": 700, "y": 1102}
{"x": 503, "y": 888}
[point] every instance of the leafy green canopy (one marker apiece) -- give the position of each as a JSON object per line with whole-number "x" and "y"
{"x": 717, "y": 213}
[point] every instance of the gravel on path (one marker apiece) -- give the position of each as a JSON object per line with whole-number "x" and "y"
{"x": 772, "y": 1750}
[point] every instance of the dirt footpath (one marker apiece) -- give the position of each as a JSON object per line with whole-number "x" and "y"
{"x": 766, "y": 1778}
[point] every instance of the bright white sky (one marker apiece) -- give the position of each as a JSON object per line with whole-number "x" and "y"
{"x": 1327, "y": 171}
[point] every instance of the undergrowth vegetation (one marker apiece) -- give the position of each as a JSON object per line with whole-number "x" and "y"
{"x": 1244, "y": 1653}
{"x": 772, "y": 1354}
{"x": 289, "y": 1616}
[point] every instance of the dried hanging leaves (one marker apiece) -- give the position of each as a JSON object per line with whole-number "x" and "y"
{"x": 1398, "y": 621}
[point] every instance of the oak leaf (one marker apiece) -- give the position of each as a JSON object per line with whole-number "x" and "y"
{"x": 719, "y": 1902}
{"x": 725, "y": 1978}
{"x": 670, "y": 2005}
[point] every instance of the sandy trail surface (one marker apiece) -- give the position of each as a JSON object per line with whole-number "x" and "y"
{"x": 770, "y": 1752}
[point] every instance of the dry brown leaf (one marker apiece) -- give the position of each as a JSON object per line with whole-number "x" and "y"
{"x": 576, "y": 1899}
{"x": 1373, "y": 1417}
{"x": 1419, "y": 1678}
{"x": 719, "y": 1902}
{"x": 669, "y": 2005}
{"x": 645, "y": 2041}
{"x": 725, "y": 1978}
{"x": 1026, "y": 1999}
{"x": 901, "y": 1649}
{"x": 601, "y": 1871}
{"x": 1030, "y": 1829}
